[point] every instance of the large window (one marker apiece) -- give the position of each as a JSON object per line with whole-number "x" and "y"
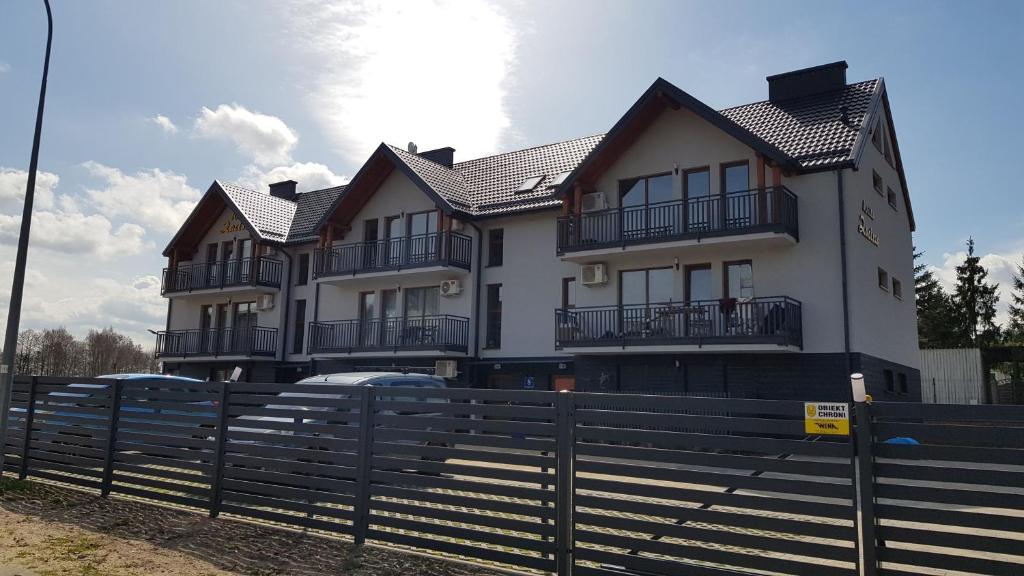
{"x": 299, "y": 326}
{"x": 739, "y": 280}
{"x": 698, "y": 282}
{"x": 735, "y": 177}
{"x": 740, "y": 209}
{"x": 496, "y": 247}
{"x": 302, "y": 276}
{"x": 422, "y": 302}
{"x": 493, "y": 334}
{"x": 640, "y": 199}
{"x": 700, "y": 211}
{"x": 652, "y": 286}
{"x": 422, "y": 235}
{"x": 569, "y": 292}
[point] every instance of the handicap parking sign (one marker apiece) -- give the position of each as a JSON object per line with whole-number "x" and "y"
{"x": 529, "y": 383}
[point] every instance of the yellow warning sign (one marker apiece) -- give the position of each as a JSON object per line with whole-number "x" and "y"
{"x": 827, "y": 418}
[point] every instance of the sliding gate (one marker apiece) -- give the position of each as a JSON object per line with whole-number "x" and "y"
{"x": 695, "y": 486}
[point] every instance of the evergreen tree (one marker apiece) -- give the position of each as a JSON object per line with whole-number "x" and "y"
{"x": 936, "y": 322}
{"x": 974, "y": 303}
{"x": 1015, "y": 329}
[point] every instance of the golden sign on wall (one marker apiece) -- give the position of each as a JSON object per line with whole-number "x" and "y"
{"x": 862, "y": 223}
{"x": 232, "y": 224}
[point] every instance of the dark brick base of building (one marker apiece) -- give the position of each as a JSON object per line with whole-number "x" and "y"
{"x": 766, "y": 376}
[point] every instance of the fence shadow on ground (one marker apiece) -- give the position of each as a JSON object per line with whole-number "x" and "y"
{"x": 230, "y": 545}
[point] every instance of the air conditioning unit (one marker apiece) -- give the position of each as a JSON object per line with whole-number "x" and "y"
{"x": 593, "y": 274}
{"x": 451, "y": 287}
{"x": 265, "y": 302}
{"x": 446, "y": 368}
{"x": 594, "y": 201}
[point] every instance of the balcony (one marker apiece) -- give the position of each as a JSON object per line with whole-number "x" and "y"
{"x": 222, "y": 274}
{"x": 213, "y": 342}
{"x": 442, "y": 333}
{"x": 738, "y": 215}
{"x": 727, "y": 324}
{"x": 443, "y": 249}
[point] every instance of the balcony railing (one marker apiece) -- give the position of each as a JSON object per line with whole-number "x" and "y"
{"x": 772, "y": 209}
{"x": 222, "y": 274}
{"x": 774, "y": 320}
{"x": 248, "y": 341}
{"x": 443, "y": 333}
{"x": 435, "y": 249}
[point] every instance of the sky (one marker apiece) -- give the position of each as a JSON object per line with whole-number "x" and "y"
{"x": 149, "y": 102}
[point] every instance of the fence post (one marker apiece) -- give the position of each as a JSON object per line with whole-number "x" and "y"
{"x": 564, "y": 458}
{"x": 30, "y": 412}
{"x": 217, "y": 480}
{"x": 364, "y": 461}
{"x": 866, "y": 488}
{"x": 116, "y": 390}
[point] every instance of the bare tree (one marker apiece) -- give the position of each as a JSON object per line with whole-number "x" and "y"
{"x": 56, "y": 352}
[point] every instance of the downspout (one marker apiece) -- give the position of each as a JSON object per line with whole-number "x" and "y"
{"x": 287, "y": 304}
{"x": 842, "y": 258}
{"x": 478, "y": 269}
{"x": 316, "y": 318}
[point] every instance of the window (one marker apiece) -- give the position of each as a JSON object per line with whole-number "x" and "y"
{"x": 877, "y": 181}
{"x": 883, "y": 279}
{"x": 422, "y": 302}
{"x": 299, "y": 325}
{"x": 493, "y": 335}
{"x": 739, "y": 280}
{"x": 904, "y": 388}
{"x": 735, "y": 177}
{"x": 422, "y": 236}
{"x": 891, "y": 197}
{"x": 568, "y": 293}
{"x": 529, "y": 184}
{"x": 876, "y": 136}
{"x": 698, "y": 282}
{"x": 495, "y": 246}
{"x": 700, "y": 212}
{"x": 645, "y": 287}
{"x": 635, "y": 197}
{"x": 559, "y": 179}
{"x": 897, "y": 288}
{"x": 890, "y": 385}
{"x": 302, "y": 276}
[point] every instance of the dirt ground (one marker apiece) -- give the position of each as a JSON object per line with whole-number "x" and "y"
{"x": 47, "y": 530}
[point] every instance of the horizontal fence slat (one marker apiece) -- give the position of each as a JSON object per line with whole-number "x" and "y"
{"x": 956, "y": 474}
{"x": 921, "y": 411}
{"x": 953, "y": 540}
{"x": 433, "y": 529}
{"x": 491, "y": 489}
{"x": 459, "y": 549}
{"x": 948, "y": 517}
{"x": 462, "y": 470}
{"x": 949, "y": 496}
{"x": 721, "y": 424}
{"x": 638, "y": 402}
{"x": 463, "y": 500}
{"x": 461, "y": 453}
{"x": 978, "y": 454}
{"x": 292, "y": 480}
{"x": 950, "y": 561}
{"x": 952, "y": 434}
{"x": 463, "y": 517}
{"x": 461, "y": 438}
{"x": 232, "y": 485}
{"x": 681, "y": 440}
{"x": 267, "y": 501}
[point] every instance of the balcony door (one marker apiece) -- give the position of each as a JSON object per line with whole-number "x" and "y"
{"x": 644, "y": 296}
{"x": 422, "y": 236}
{"x": 222, "y": 328}
{"x": 207, "y": 329}
{"x": 700, "y": 311}
{"x": 644, "y": 209}
{"x": 243, "y": 327}
{"x": 740, "y": 209}
{"x": 701, "y": 210}
{"x": 371, "y": 234}
{"x": 368, "y": 336}
{"x": 227, "y": 268}
{"x": 421, "y": 310}
{"x": 394, "y": 240}
{"x": 211, "y": 275}
{"x": 392, "y": 317}
{"x": 244, "y": 261}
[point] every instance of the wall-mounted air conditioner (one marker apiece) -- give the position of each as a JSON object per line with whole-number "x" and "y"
{"x": 446, "y": 368}
{"x": 451, "y": 287}
{"x": 594, "y": 201}
{"x": 593, "y": 274}
{"x": 265, "y": 302}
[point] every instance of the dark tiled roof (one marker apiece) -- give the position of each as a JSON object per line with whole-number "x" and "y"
{"x": 810, "y": 129}
{"x": 442, "y": 179}
{"x": 269, "y": 215}
{"x": 310, "y": 207}
{"x": 494, "y": 180}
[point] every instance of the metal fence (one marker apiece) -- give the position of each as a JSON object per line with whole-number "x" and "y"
{"x": 569, "y": 483}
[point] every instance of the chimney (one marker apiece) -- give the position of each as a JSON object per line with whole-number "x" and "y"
{"x": 808, "y": 81}
{"x": 444, "y": 156}
{"x": 284, "y": 190}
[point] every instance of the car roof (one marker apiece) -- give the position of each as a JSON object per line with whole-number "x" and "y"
{"x": 354, "y": 378}
{"x": 149, "y": 377}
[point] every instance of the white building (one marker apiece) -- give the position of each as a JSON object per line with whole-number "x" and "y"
{"x": 762, "y": 250}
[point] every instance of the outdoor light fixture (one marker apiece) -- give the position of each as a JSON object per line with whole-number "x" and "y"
{"x": 857, "y": 385}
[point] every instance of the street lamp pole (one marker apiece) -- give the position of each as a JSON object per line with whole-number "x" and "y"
{"x": 14, "y": 314}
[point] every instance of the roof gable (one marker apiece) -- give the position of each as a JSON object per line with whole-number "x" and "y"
{"x": 203, "y": 217}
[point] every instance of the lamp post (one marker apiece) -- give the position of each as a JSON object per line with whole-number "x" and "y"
{"x": 14, "y": 313}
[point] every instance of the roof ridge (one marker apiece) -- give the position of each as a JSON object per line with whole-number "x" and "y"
{"x": 566, "y": 141}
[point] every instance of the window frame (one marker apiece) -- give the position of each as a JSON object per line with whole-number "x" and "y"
{"x": 647, "y": 283}
{"x": 302, "y": 272}
{"x": 725, "y": 276}
{"x": 492, "y": 234}
{"x": 877, "y": 182}
{"x": 897, "y": 288}
{"x": 566, "y": 282}
{"x": 492, "y": 320}
{"x": 686, "y": 182}
{"x": 647, "y": 187}
{"x": 299, "y": 326}
{"x": 890, "y": 197}
{"x": 687, "y": 289}
{"x": 883, "y": 279}
{"x": 721, "y": 176}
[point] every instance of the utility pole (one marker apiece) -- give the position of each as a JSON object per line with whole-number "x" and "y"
{"x": 14, "y": 313}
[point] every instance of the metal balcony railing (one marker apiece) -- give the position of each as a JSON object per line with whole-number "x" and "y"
{"x": 222, "y": 274}
{"x": 442, "y": 332}
{"x": 247, "y": 341}
{"x": 772, "y": 209}
{"x": 775, "y": 320}
{"x": 435, "y": 249}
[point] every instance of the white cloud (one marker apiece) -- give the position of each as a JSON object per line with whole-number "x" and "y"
{"x": 4, "y": 67}
{"x": 266, "y": 139}
{"x": 155, "y": 198}
{"x": 434, "y": 72}
{"x": 1001, "y": 268}
{"x": 12, "y": 189}
{"x": 77, "y": 233}
{"x": 165, "y": 123}
{"x": 309, "y": 175}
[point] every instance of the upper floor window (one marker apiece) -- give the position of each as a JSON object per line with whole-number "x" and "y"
{"x": 890, "y": 196}
{"x": 883, "y": 279}
{"x": 645, "y": 190}
{"x": 739, "y": 280}
{"x": 495, "y": 247}
{"x": 876, "y": 180}
{"x": 645, "y": 287}
{"x": 889, "y": 381}
{"x": 493, "y": 329}
{"x": 735, "y": 177}
{"x": 302, "y": 275}
{"x": 569, "y": 292}
{"x": 897, "y": 288}
{"x": 876, "y": 136}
